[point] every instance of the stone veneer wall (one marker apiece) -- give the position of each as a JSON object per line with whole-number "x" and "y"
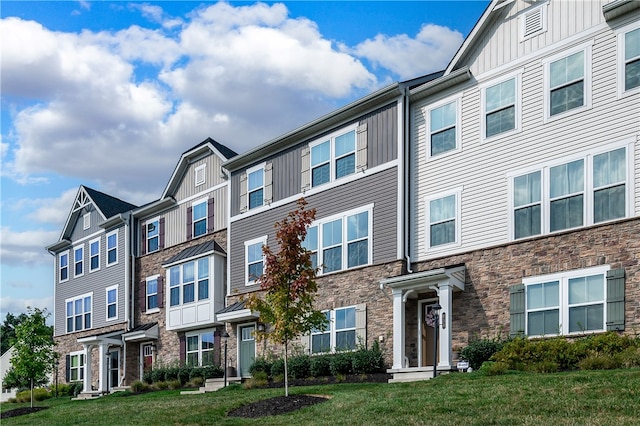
{"x": 168, "y": 343}
{"x": 482, "y": 310}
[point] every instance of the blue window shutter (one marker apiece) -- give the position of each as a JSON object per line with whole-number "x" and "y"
{"x": 615, "y": 299}
{"x": 516, "y": 309}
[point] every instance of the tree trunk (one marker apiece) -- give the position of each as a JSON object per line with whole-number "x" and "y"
{"x": 32, "y": 392}
{"x": 286, "y": 372}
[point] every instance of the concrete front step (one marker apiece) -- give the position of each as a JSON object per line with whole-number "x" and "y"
{"x": 212, "y": 385}
{"x": 87, "y": 395}
{"x": 413, "y": 374}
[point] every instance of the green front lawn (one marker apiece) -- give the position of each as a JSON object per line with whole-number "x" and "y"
{"x": 577, "y": 398}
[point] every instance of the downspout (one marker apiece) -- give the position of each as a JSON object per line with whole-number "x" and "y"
{"x": 129, "y": 268}
{"x": 407, "y": 180}
{"x": 55, "y": 287}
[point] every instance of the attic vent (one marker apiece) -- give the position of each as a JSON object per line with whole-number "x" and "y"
{"x": 200, "y": 174}
{"x": 534, "y": 22}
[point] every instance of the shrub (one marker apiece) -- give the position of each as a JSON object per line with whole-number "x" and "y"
{"x": 147, "y": 377}
{"x": 157, "y": 375}
{"x": 160, "y": 385}
{"x": 366, "y": 361}
{"x": 320, "y": 365}
{"x": 299, "y": 367}
{"x": 39, "y": 394}
{"x": 481, "y": 350}
{"x": 63, "y": 390}
{"x": 138, "y": 387}
{"x": 196, "y": 381}
{"x": 599, "y": 362}
{"x": 260, "y": 364}
{"x": 630, "y": 357}
{"x": 75, "y": 388}
{"x": 212, "y": 371}
{"x": 491, "y": 368}
{"x": 171, "y": 373}
{"x": 196, "y": 372}
{"x": 341, "y": 363}
{"x": 184, "y": 373}
{"x": 609, "y": 343}
{"x": 174, "y": 384}
{"x": 277, "y": 368}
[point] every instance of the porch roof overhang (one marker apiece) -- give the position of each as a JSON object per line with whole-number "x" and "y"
{"x": 422, "y": 280}
{"x": 142, "y": 332}
{"x": 112, "y": 338}
{"x": 236, "y": 313}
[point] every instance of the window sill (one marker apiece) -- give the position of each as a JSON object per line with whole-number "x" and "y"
{"x": 152, "y": 311}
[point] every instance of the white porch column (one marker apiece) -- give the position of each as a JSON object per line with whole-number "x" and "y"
{"x": 445, "y": 295}
{"x": 398, "y": 329}
{"x": 103, "y": 367}
{"x": 86, "y": 384}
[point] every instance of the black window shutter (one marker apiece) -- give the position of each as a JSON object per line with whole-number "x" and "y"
{"x": 189, "y": 223}
{"x": 143, "y": 243}
{"x": 161, "y": 233}
{"x": 615, "y": 299}
{"x": 67, "y": 368}
{"x": 516, "y": 309}
{"x": 160, "y": 291}
{"x": 142, "y": 301}
{"x": 210, "y": 216}
{"x": 183, "y": 348}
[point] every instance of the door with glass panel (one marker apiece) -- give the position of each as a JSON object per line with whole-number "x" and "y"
{"x": 247, "y": 348}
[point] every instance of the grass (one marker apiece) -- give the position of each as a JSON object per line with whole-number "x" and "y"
{"x": 576, "y": 398}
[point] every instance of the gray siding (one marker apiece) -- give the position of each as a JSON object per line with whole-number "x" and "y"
{"x": 382, "y": 144}
{"x": 379, "y": 189}
{"x": 78, "y": 231}
{"x": 92, "y": 282}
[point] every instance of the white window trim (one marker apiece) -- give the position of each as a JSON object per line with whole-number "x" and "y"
{"x": 90, "y": 256}
{"x": 345, "y": 256}
{"x": 80, "y": 247}
{"x": 73, "y": 300}
{"x": 262, "y": 240}
{"x": 431, "y": 197}
{"x": 204, "y": 200}
{"x": 332, "y": 154}
{"x": 146, "y": 295}
{"x": 86, "y": 221}
{"x": 181, "y": 283}
{"x": 199, "y": 174}
{"x": 249, "y": 191}
{"x": 198, "y": 333}
{"x": 107, "y": 248}
{"x": 113, "y": 287}
{"x": 563, "y": 278}
{"x": 331, "y": 329}
{"x": 620, "y": 38}
{"x": 69, "y": 263}
{"x": 587, "y": 48}
{"x": 523, "y": 17}
{"x": 81, "y": 367}
{"x": 458, "y": 100}
{"x": 146, "y": 242}
{"x": 517, "y": 76}
{"x": 587, "y": 156}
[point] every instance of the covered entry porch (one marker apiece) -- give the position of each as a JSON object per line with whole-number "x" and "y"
{"x": 109, "y": 350}
{"x": 414, "y": 298}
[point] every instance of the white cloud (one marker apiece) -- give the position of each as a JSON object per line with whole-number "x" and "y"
{"x": 26, "y": 248}
{"x": 52, "y": 210}
{"x": 20, "y": 305}
{"x": 430, "y": 51}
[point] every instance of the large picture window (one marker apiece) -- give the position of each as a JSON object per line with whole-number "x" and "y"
{"x": 78, "y": 313}
{"x": 187, "y": 283}
{"x": 200, "y": 349}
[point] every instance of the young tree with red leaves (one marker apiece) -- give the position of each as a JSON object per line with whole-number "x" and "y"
{"x": 288, "y": 284}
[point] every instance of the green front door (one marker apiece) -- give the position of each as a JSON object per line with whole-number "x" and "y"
{"x": 247, "y": 348}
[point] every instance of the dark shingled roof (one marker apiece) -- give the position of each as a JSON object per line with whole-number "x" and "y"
{"x": 194, "y": 251}
{"x": 227, "y": 152}
{"x": 143, "y": 327}
{"x": 238, "y": 306}
{"x": 108, "y": 205}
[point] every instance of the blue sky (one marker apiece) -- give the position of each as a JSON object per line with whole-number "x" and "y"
{"x": 109, "y": 93}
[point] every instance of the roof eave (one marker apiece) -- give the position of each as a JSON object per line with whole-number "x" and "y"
{"x": 60, "y": 245}
{"x": 456, "y": 77}
{"x": 113, "y": 221}
{"x": 618, "y": 8}
{"x": 154, "y": 207}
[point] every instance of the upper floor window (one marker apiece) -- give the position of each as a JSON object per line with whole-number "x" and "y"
{"x": 151, "y": 293}
{"x": 112, "y": 302}
{"x": 63, "y": 263}
{"x": 501, "y": 104}
{"x": 188, "y": 282}
{"x": 112, "y": 248}
{"x": 79, "y": 313}
{"x": 153, "y": 235}
{"x": 255, "y": 187}
{"x": 443, "y": 128}
{"x": 342, "y": 241}
{"x": 78, "y": 261}
{"x": 199, "y": 218}
{"x": 200, "y": 349}
{"x": 333, "y": 158}
{"x": 200, "y": 174}
{"x": 86, "y": 221}
{"x": 568, "y": 82}
{"x": 94, "y": 255}
{"x": 587, "y": 190}
{"x": 629, "y": 59}
{"x": 443, "y": 219}
{"x": 254, "y": 260}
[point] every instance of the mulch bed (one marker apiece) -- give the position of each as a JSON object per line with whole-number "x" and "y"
{"x": 275, "y": 406}
{"x": 20, "y": 411}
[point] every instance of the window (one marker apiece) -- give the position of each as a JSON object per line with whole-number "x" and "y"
{"x": 152, "y": 293}
{"x": 112, "y": 302}
{"x": 443, "y": 128}
{"x": 94, "y": 255}
{"x": 200, "y": 174}
{"x": 254, "y": 259}
{"x": 76, "y": 366}
{"x": 199, "y": 218}
{"x": 333, "y": 158}
{"x": 200, "y": 349}
{"x": 630, "y": 57}
{"x": 78, "y": 261}
{"x": 112, "y": 248}
{"x": 182, "y": 283}
{"x": 443, "y": 219}
{"x": 568, "y": 82}
{"x": 63, "y": 264}
{"x": 342, "y": 241}
{"x": 255, "y": 187}
{"x": 341, "y": 332}
{"x": 153, "y": 235}
{"x": 79, "y": 313}
{"x": 566, "y": 303}
{"x": 501, "y": 103}
{"x": 86, "y": 221}
{"x": 591, "y": 189}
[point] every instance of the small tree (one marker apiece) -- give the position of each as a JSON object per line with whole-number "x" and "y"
{"x": 8, "y": 330}
{"x": 289, "y": 285}
{"x": 33, "y": 354}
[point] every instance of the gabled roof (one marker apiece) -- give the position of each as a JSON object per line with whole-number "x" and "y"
{"x": 108, "y": 205}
